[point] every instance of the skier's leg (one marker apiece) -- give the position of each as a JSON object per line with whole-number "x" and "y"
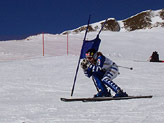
{"x": 109, "y": 76}
{"x": 119, "y": 92}
{"x": 107, "y": 79}
{"x": 103, "y": 90}
{"x": 111, "y": 84}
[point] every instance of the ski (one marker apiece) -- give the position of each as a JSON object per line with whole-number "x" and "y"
{"x": 140, "y": 61}
{"x": 103, "y": 98}
{"x": 160, "y": 61}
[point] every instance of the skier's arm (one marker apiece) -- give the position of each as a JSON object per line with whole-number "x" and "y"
{"x": 85, "y": 66}
{"x": 98, "y": 67}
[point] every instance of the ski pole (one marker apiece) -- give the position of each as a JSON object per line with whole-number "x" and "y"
{"x": 130, "y": 68}
{"x": 95, "y": 84}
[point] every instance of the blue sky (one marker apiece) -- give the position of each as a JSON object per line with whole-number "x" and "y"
{"x": 21, "y": 18}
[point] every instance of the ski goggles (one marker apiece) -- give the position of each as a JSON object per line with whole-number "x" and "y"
{"x": 91, "y": 56}
{"x": 88, "y": 56}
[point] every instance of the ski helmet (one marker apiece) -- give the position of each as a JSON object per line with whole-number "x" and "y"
{"x": 91, "y": 53}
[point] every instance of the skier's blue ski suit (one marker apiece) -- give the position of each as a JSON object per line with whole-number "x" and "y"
{"x": 103, "y": 72}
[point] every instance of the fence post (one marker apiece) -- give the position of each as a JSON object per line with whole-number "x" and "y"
{"x": 67, "y": 43}
{"x": 43, "y": 42}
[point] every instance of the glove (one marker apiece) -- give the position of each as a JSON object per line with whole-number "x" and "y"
{"x": 85, "y": 64}
{"x": 88, "y": 73}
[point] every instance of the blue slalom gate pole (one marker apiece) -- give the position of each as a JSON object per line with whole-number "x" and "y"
{"x": 73, "y": 87}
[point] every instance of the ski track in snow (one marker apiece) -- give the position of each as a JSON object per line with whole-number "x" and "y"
{"x": 32, "y": 85}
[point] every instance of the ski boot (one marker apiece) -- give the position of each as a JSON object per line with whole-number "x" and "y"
{"x": 103, "y": 94}
{"x": 120, "y": 93}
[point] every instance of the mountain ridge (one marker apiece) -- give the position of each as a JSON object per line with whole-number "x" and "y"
{"x": 144, "y": 20}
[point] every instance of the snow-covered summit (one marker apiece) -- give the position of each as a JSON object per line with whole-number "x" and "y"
{"x": 143, "y": 20}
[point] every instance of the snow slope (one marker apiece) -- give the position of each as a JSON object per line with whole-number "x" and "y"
{"x": 32, "y": 85}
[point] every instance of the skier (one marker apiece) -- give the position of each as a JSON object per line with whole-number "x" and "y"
{"x": 154, "y": 57}
{"x": 103, "y": 71}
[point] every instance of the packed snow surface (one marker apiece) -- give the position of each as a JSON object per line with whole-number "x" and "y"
{"x": 32, "y": 84}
